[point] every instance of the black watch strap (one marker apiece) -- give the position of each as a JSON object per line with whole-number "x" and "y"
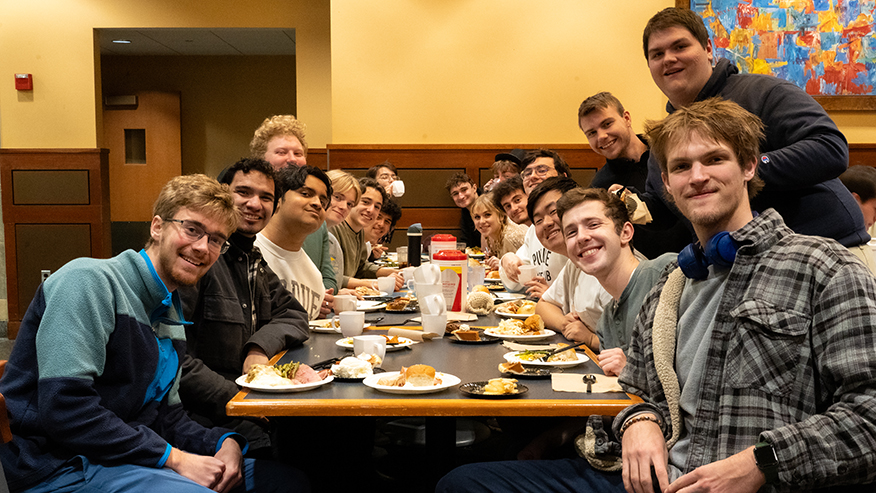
{"x": 767, "y": 461}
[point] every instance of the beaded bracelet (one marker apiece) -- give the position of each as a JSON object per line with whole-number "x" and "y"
{"x": 637, "y": 419}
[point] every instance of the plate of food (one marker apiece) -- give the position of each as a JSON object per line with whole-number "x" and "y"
{"x": 475, "y": 252}
{"x": 492, "y": 276}
{"x": 366, "y": 291}
{"x": 521, "y": 309}
{"x": 496, "y": 280}
{"x": 356, "y": 368}
{"x": 531, "y": 329}
{"x": 416, "y": 379}
{"x": 380, "y": 294}
{"x": 403, "y": 304}
{"x": 291, "y": 377}
{"x": 327, "y": 326}
{"x": 495, "y": 388}
{"x": 560, "y": 360}
{"x": 516, "y": 369}
{"x": 369, "y": 306}
{"x": 466, "y": 335}
{"x": 393, "y": 343}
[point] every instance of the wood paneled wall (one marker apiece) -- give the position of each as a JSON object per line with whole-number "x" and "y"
{"x": 426, "y": 168}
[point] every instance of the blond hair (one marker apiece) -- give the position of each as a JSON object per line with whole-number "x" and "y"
{"x": 343, "y": 182}
{"x": 277, "y": 125}
{"x": 198, "y": 193}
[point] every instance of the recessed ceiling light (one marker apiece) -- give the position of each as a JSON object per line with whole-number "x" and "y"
{"x": 122, "y": 41}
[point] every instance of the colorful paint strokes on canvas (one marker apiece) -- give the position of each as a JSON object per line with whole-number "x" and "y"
{"x": 827, "y": 47}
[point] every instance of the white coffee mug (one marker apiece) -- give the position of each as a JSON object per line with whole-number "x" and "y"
{"x": 352, "y": 322}
{"x": 345, "y": 303}
{"x": 398, "y": 188}
{"x": 370, "y": 344}
{"x": 527, "y": 272}
{"x": 386, "y": 284}
{"x": 435, "y": 324}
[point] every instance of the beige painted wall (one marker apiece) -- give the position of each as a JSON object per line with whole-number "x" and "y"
{"x": 53, "y": 40}
{"x": 493, "y": 71}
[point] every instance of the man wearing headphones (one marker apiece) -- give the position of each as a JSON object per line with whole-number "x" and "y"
{"x": 754, "y": 359}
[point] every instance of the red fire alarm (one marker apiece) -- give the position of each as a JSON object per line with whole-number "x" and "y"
{"x": 24, "y": 82}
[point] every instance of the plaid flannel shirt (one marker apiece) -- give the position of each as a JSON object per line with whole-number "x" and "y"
{"x": 792, "y": 361}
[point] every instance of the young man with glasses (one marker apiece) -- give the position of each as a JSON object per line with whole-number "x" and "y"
{"x": 91, "y": 385}
{"x": 387, "y": 175}
{"x": 240, "y": 312}
{"x": 538, "y": 165}
{"x": 304, "y": 196}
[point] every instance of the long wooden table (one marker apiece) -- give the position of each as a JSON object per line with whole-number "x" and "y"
{"x": 469, "y": 362}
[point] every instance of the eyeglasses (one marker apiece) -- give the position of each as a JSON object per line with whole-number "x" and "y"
{"x": 195, "y": 232}
{"x": 540, "y": 170}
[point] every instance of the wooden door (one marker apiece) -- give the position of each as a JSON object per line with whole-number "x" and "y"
{"x": 145, "y": 152}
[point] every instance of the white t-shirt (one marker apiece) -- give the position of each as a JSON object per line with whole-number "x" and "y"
{"x": 532, "y": 252}
{"x": 573, "y": 290}
{"x": 297, "y": 272}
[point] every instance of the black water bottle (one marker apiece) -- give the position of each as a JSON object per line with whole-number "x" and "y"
{"x": 415, "y": 238}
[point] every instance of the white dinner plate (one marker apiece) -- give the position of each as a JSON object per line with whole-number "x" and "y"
{"x": 513, "y": 315}
{"x": 325, "y": 326}
{"x": 476, "y": 255}
{"x": 241, "y": 380}
{"x": 369, "y": 306}
{"x": 347, "y": 343}
{"x": 487, "y": 279}
{"x": 534, "y": 337}
{"x": 447, "y": 381}
{"x": 512, "y": 357}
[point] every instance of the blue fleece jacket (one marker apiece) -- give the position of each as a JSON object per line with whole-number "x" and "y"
{"x": 86, "y": 376}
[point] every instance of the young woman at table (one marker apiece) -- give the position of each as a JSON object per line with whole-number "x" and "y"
{"x": 498, "y": 234}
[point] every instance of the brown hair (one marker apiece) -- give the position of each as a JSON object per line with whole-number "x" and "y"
{"x": 672, "y": 17}
{"x": 458, "y": 178}
{"x": 615, "y": 209}
{"x": 201, "y": 194}
{"x": 717, "y": 119}
{"x": 277, "y": 125}
{"x": 599, "y": 100}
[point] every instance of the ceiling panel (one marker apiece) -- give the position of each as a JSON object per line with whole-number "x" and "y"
{"x": 189, "y": 42}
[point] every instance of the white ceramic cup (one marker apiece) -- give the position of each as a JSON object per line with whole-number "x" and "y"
{"x": 386, "y": 284}
{"x": 427, "y": 289}
{"x": 435, "y": 324}
{"x": 527, "y": 272}
{"x": 370, "y": 344}
{"x": 352, "y": 322}
{"x": 398, "y": 188}
{"x": 345, "y": 303}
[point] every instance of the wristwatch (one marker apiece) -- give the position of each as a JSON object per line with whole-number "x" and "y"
{"x": 767, "y": 461}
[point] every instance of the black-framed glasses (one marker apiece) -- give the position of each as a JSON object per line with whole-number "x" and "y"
{"x": 194, "y": 232}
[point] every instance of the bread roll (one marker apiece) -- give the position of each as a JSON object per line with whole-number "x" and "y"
{"x": 481, "y": 288}
{"x": 420, "y": 375}
{"x": 533, "y": 324}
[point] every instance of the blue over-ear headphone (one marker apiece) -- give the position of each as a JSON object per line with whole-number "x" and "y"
{"x": 720, "y": 250}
